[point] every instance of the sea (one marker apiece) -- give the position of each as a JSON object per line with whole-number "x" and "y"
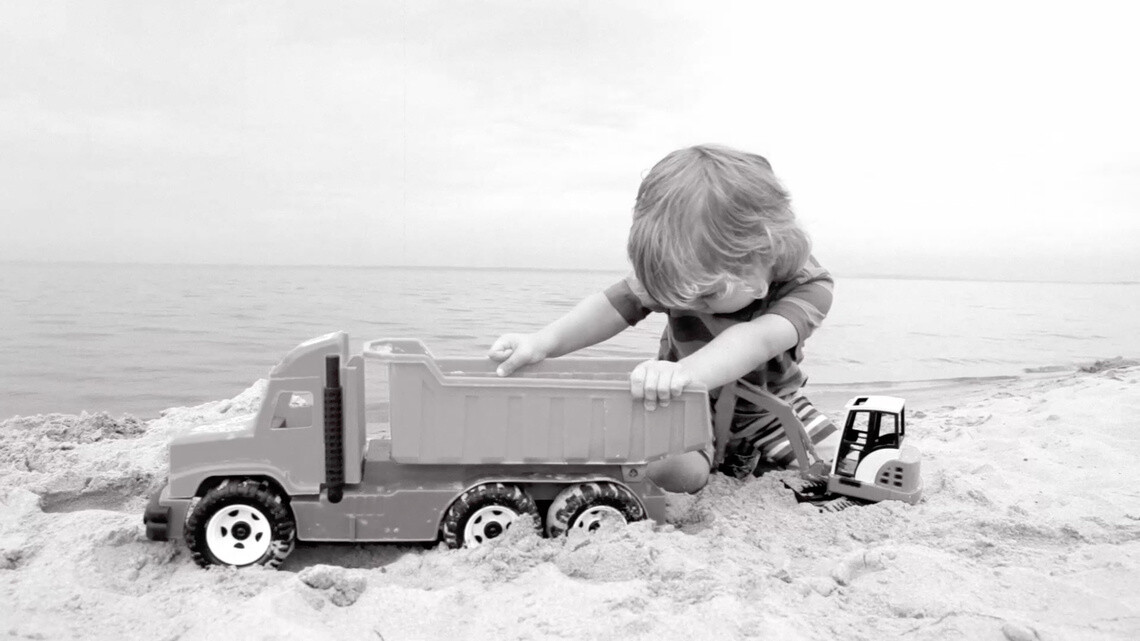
{"x": 138, "y": 338}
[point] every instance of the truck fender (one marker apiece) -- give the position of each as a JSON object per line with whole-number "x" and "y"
{"x": 195, "y": 483}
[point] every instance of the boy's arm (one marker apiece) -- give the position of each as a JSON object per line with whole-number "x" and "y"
{"x": 599, "y": 317}
{"x": 806, "y": 301}
{"x": 591, "y": 321}
{"x": 785, "y": 326}
{"x": 740, "y": 349}
{"x": 737, "y": 350}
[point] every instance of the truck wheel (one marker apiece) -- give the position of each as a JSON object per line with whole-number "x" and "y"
{"x": 586, "y": 508}
{"x": 239, "y": 524}
{"x": 484, "y": 512}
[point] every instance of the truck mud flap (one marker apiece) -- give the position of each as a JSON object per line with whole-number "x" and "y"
{"x": 156, "y": 518}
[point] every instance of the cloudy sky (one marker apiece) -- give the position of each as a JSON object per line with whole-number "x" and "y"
{"x": 989, "y": 140}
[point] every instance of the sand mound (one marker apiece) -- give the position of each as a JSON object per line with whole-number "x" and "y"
{"x": 1030, "y": 529}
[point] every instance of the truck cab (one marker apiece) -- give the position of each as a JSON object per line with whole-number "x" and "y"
{"x": 282, "y": 442}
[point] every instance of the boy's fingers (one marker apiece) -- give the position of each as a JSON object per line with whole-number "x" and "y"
{"x": 651, "y": 377}
{"x": 677, "y": 385}
{"x": 664, "y": 388}
{"x": 637, "y": 381}
{"x": 503, "y": 343}
{"x": 505, "y": 347}
{"x": 507, "y": 367}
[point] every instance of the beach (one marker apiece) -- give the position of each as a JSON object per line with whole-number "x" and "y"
{"x": 938, "y": 204}
{"x": 1029, "y": 528}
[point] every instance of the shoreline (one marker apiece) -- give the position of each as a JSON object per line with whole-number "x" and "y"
{"x": 823, "y": 395}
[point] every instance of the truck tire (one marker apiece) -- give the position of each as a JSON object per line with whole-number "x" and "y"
{"x": 484, "y": 512}
{"x": 585, "y": 507}
{"x": 240, "y": 523}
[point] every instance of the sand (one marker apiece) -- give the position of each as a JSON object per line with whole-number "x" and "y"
{"x": 1029, "y": 529}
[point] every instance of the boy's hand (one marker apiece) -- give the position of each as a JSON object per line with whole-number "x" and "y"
{"x": 515, "y": 350}
{"x": 658, "y": 381}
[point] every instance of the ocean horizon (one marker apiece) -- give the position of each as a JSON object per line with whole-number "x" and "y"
{"x": 140, "y": 337}
{"x": 513, "y": 268}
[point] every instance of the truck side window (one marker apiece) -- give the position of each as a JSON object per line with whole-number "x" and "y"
{"x": 293, "y": 409}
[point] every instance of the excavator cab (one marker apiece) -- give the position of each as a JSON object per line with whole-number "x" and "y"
{"x": 872, "y": 462}
{"x": 868, "y": 428}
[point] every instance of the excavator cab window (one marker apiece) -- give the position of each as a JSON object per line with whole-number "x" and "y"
{"x": 888, "y": 430}
{"x": 858, "y": 427}
{"x": 865, "y": 431}
{"x": 857, "y": 434}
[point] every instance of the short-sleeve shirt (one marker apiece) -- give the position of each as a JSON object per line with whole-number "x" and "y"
{"x": 803, "y": 300}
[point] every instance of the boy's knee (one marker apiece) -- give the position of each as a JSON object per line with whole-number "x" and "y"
{"x": 686, "y": 473}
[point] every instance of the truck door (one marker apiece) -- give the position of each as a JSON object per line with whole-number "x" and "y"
{"x": 293, "y": 440}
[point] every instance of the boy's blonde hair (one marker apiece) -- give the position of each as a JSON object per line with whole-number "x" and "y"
{"x": 707, "y": 214}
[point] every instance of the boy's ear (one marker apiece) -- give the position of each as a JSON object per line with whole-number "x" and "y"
{"x": 761, "y": 278}
{"x": 761, "y": 281}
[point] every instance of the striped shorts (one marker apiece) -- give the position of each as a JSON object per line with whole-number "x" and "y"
{"x": 756, "y": 435}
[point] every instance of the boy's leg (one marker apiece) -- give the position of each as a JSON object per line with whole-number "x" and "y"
{"x": 686, "y": 473}
{"x": 741, "y": 454}
{"x": 760, "y": 437}
{"x": 778, "y": 450}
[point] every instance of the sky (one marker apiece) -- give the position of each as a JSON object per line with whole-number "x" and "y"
{"x": 966, "y": 140}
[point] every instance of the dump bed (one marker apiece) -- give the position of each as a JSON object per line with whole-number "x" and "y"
{"x": 563, "y": 410}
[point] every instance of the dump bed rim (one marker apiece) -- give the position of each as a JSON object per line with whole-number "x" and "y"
{"x": 488, "y": 379}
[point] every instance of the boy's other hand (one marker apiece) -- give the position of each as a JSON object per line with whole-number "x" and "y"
{"x": 513, "y": 351}
{"x": 656, "y": 382}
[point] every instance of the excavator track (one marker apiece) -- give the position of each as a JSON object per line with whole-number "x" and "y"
{"x": 814, "y": 491}
{"x": 839, "y": 504}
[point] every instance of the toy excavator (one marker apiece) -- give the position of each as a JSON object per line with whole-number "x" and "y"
{"x": 871, "y": 464}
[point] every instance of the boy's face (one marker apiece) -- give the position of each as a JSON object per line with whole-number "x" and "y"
{"x": 740, "y": 293}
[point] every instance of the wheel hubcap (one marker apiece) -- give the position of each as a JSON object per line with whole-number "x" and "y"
{"x": 241, "y": 530}
{"x": 487, "y": 523}
{"x": 597, "y": 517}
{"x": 238, "y": 535}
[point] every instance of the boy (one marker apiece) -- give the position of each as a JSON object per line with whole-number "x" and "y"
{"x": 715, "y": 245}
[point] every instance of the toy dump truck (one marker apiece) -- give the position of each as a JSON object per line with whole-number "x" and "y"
{"x": 561, "y": 444}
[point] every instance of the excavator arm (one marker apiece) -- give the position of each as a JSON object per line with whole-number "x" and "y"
{"x": 812, "y": 466}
